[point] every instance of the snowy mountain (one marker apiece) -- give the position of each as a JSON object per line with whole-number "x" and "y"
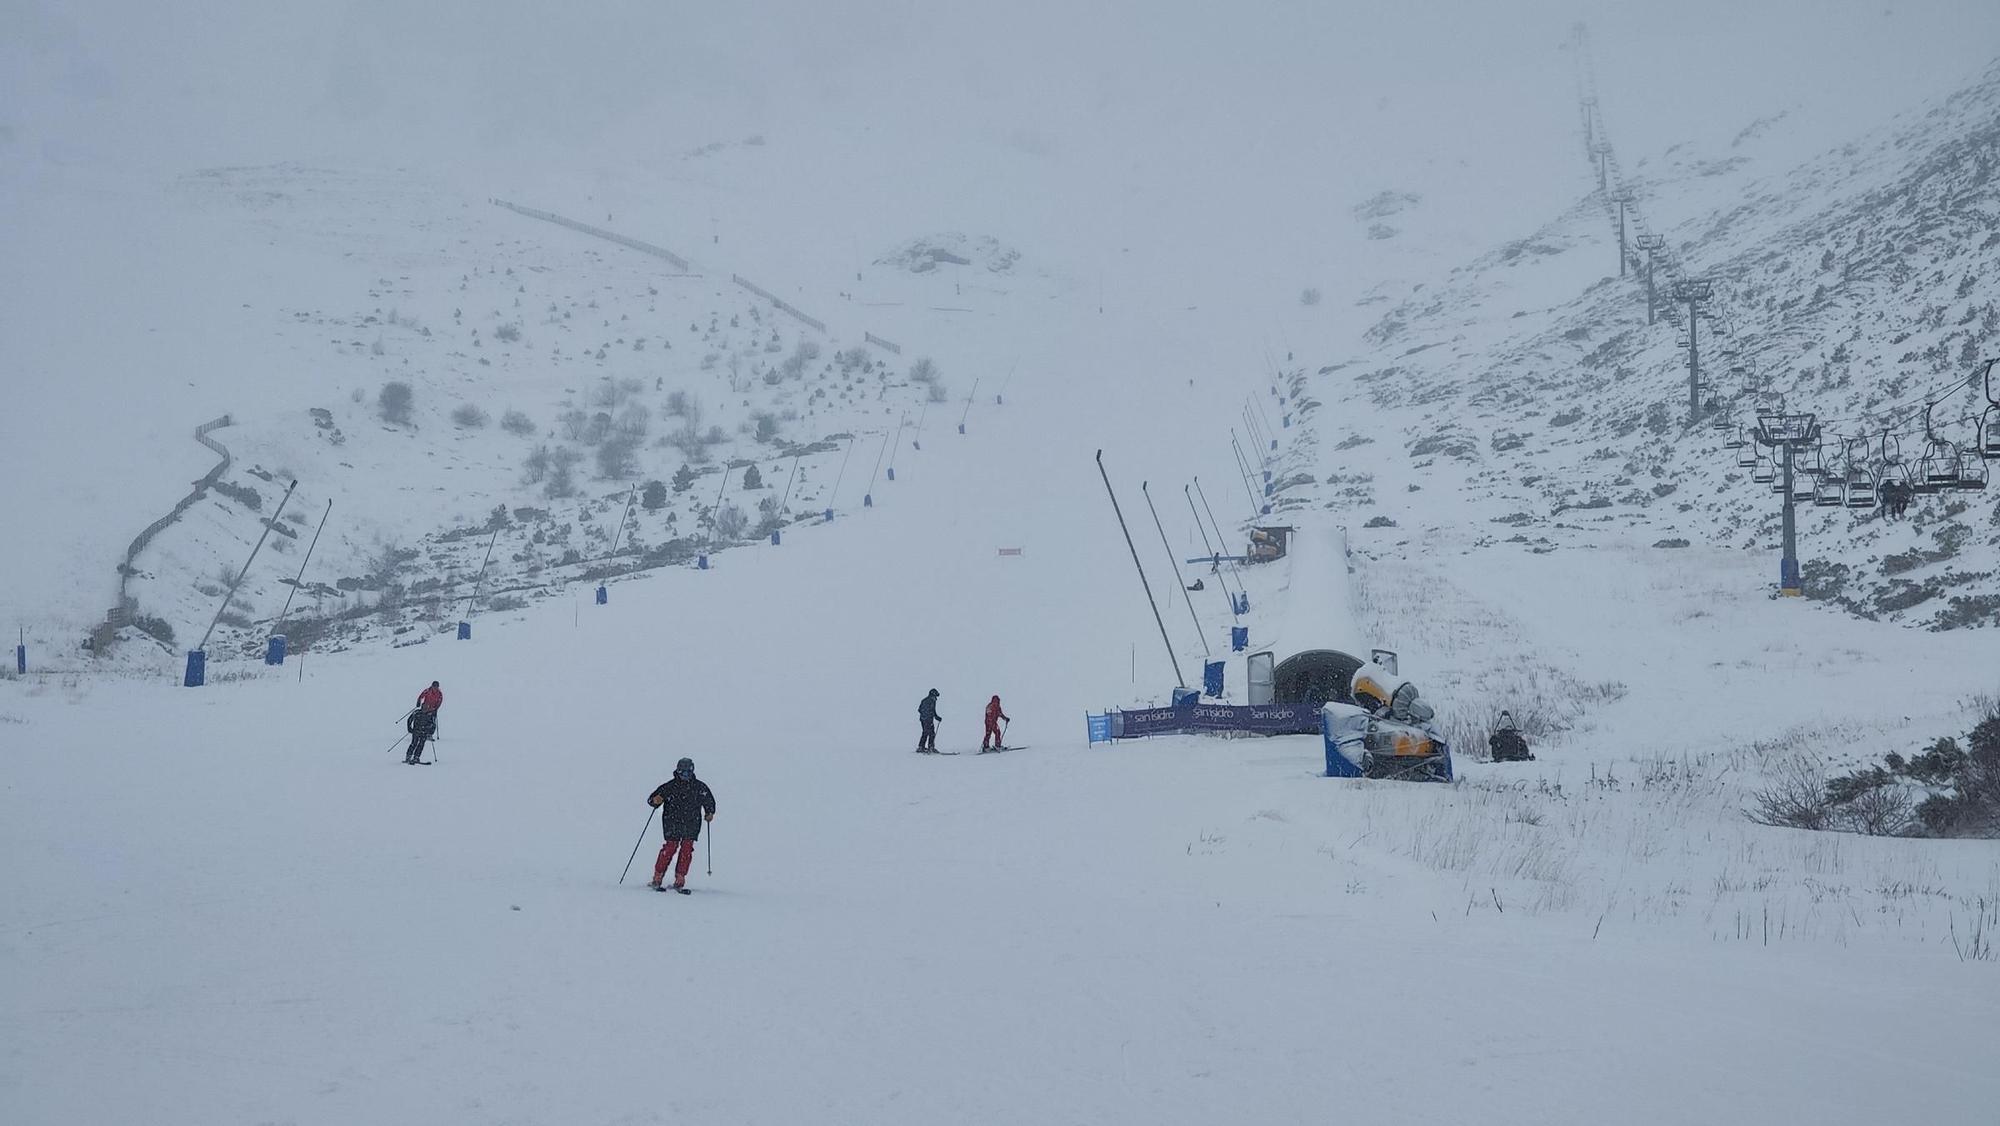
{"x": 1363, "y": 249}
{"x": 1857, "y": 286}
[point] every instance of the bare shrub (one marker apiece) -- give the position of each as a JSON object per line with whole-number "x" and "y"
{"x": 730, "y": 522}
{"x": 767, "y": 426}
{"x": 617, "y": 457}
{"x": 633, "y": 421}
{"x": 1795, "y": 798}
{"x": 1309, "y": 296}
{"x": 516, "y": 423}
{"x": 508, "y": 332}
{"x": 680, "y": 404}
{"x": 467, "y": 416}
{"x": 562, "y": 473}
{"x": 395, "y": 401}
{"x": 925, "y": 370}
{"x": 536, "y": 466}
{"x": 937, "y": 392}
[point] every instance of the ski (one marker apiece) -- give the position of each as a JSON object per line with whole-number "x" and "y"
{"x": 670, "y": 887}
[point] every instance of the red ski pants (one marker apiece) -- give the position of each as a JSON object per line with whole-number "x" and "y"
{"x": 993, "y": 733}
{"x": 686, "y": 849}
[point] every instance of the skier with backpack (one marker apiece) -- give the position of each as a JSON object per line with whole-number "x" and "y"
{"x": 422, "y": 725}
{"x": 927, "y": 716}
{"x": 684, "y": 802}
{"x": 993, "y": 717}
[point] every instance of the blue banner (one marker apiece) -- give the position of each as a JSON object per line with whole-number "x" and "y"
{"x": 1261, "y": 719}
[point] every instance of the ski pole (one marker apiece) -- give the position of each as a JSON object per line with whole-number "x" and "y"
{"x": 635, "y": 847}
{"x": 711, "y": 846}
{"x": 437, "y": 739}
{"x": 393, "y": 746}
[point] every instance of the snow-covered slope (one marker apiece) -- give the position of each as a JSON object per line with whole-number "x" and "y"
{"x": 235, "y": 904}
{"x": 1527, "y": 392}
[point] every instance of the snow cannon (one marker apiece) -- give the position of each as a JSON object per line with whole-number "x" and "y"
{"x": 1361, "y": 744}
{"x": 1383, "y": 731}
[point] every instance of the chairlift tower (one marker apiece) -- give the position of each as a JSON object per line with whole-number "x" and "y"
{"x": 1602, "y": 151}
{"x": 1694, "y": 292}
{"x": 1623, "y": 199}
{"x": 1790, "y": 431}
{"x": 1590, "y": 127}
{"x": 1652, "y": 245}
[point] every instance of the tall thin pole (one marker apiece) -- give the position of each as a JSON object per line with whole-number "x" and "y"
{"x": 1212, "y": 521}
{"x": 1249, "y": 482}
{"x": 1694, "y": 363}
{"x": 1209, "y": 546}
{"x": 622, "y": 521}
{"x": 1788, "y": 563}
{"x": 788, "y": 484}
{"x": 715, "y": 514}
{"x": 1179, "y": 680}
{"x": 246, "y": 566}
{"x": 842, "y": 473}
{"x": 1176, "y": 565}
{"x": 968, "y": 405}
{"x": 480, "y": 579}
{"x": 302, "y": 566}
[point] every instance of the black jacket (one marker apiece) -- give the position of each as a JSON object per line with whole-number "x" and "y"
{"x": 422, "y": 722}
{"x": 927, "y": 709}
{"x": 682, "y": 802}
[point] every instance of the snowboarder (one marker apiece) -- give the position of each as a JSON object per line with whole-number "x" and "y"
{"x": 1506, "y": 743}
{"x": 431, "y": 699}
{"x": 993, "y": 717}
{"x": 422, "y": 726}
{"x": 927, "y": 716}
{"x": 684, "y": 803}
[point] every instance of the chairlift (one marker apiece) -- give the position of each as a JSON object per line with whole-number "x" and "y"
{"x": 1938, "y": 468}
{"x": 1859, "y": 480}
{"x": 1805, "y": 486}
{"x": 1989, "y": 421}
{"x": 1763, "y": 472}
{"x": 1746, "y": 451}
{"x": 1972, "y": 473}
{"x": 1737, "y": 440}
{"x": 1861, "y": 492}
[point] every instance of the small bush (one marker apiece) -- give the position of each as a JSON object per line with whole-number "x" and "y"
{"x": 730, "y": 522}
{"x": 395, "y": 402}
{"x": 925, "y": 370}
{"x": 767, "y": 426}
{"x": 1309, "y": 296}
{"x": 507, "y": 332}
{"x": 155, "y": 628}
{"x": 683, "y": 479}
{"x": 752, "y": 479}
{"x": 1379, "y": 522}
{"x": 467, "y": 416}
{"x": 680, "y": 404}
{"x": 937, "y": 392}
{"x": 617, "y": 458}
{"x": 516, "y": 423}
{"x": 653, "y": 496}
{"x": 536, "y": 467}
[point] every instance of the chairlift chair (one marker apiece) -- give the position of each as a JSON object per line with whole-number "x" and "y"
{"x": 1989, "y": 430}
{"x": 1860, "y": 488}
{"x": 1737, "y": 440}
{"x": 1763, "y": 472}
{"x": 1827, "y": 492}
{"x": 1972, "y": 473}
{"x": 1805, "y": 486}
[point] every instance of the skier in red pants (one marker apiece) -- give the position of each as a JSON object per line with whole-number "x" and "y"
{"x": 993, "y": 717}
{"x": 684, "y": 803}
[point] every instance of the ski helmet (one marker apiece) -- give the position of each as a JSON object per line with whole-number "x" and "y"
{"x": 684, "y": 768}
{"x": 934, "y": 691}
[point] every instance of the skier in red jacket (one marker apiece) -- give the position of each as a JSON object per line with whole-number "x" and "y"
{"x": 993, "y": 717}
{"x": 431, "y": 699}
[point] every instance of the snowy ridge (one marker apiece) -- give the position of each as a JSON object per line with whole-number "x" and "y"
{"x": 1854, "y": 287}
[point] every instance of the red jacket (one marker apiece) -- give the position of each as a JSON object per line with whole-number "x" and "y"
{"x": 431, "y": 699}
{"x": 993, "y": 713}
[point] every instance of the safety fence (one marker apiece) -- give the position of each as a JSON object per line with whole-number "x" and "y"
{"x": 679, "y": 263}
{"x": 885, "y": 345}
{"x": 780, "y": 302}
{"x": 201, "y": 487}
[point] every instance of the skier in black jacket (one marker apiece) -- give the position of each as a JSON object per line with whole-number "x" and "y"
{"x": 422, "y": 726}
{"x": 927, "y": 715}
{"x": 684, "y": 803}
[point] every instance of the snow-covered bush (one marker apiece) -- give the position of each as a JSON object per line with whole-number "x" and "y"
{"x": 468, "y": 416}
{"x": 395, "y": 402}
